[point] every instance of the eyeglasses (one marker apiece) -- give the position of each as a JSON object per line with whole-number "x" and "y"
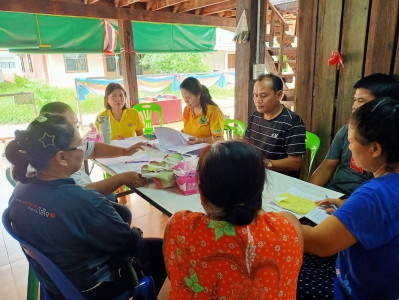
{"x": 82, "y": 147}
{"x": 77, "y": 124}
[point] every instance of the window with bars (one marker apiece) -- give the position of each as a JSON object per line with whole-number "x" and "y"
{"x": 75, "y": 63}
{"x": 7, "y": 65}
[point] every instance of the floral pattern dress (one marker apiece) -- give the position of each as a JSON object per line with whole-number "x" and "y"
{"x": 208, "y": 259}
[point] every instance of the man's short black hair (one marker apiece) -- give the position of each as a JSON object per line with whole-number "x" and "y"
{"x": 277, "y": 82}
{"x": 380, "y": 85}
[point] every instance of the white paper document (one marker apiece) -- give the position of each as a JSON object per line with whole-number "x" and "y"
{"x": 316, "y": 215}
{"x": 175, "y": 141}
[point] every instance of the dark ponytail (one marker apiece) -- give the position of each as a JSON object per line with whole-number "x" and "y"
{"x": 38, "y": 144}
{"x": 195, "y": 87}
{"x": 231, "y": 176}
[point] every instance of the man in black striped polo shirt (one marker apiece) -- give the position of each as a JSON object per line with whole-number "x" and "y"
{"x": 274, "y": 129}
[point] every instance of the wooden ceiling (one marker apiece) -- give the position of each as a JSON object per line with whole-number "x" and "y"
{"x": 197, "y": 12}
{"x": 217, "y": 8}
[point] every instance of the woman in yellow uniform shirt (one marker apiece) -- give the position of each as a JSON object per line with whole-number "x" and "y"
{"x": 125, "y": 121}
{"x": 202, "y": 118}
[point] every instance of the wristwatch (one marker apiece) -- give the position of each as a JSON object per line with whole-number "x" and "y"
{"x": 269, "y": 163}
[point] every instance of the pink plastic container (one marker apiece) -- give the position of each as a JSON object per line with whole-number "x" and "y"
{"x": 186, "y": 178}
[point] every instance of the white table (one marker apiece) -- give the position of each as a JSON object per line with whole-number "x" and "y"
{"x": 171, "y": 200}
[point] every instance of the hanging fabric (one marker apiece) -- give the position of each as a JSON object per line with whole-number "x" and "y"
{"x": 110, "y": 38}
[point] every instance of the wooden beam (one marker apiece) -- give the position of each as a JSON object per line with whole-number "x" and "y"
{"x": 230, "y": 13}
{"x": 128, "y": 60}
{"x": 306, "y": 28}
{"x": 92, "y": 1}
{"x": 353, "y": 39}
{"x": 116, "y": 3}
{"x": 123, "y": 3}
{"x": 246, "y": 58}
{"x": 195, "y": 4}
{"x": 272, "y": 28}
{"x": 160, "y": 4}
{"x": 382, "y": 36}
{"x": 325, "y": 78}
{"x": 176, "y": 8}
{"x": 217, "y": 8}
{"x": 60, "y": 8}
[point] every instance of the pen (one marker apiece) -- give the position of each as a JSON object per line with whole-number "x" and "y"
{"x": 136, "y": 161}
{"x": 332, "y": 204}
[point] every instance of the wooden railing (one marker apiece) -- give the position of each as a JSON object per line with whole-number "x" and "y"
{"x": 275, "y": 14}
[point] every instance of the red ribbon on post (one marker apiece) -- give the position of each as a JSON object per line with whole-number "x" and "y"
{"x": 336, "y": 59}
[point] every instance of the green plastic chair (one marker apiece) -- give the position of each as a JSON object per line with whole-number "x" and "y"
{"x": 234, "y": 128}
{"x": 313, "y": 144}
{"x": 33, "y": 282}
{"x": 147, "y": 109}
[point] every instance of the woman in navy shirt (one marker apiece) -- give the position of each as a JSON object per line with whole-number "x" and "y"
{"x": 76, "y": 228}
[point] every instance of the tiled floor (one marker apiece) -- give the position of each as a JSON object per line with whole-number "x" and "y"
{"x": 13, "y": 264}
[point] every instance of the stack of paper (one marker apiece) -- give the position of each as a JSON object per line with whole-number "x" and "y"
{"x": 175, "y": 141}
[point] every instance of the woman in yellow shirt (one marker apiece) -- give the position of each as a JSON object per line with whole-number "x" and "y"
{"x": 202, "y": 118}
{"x": 125, "y": 121}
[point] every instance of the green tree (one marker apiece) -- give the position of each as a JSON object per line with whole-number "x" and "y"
{"x": 175, "y": 63}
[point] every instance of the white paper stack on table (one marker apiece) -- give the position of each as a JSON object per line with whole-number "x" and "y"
{"x": 171, "y": 140}
{"x": 133, "y": 162}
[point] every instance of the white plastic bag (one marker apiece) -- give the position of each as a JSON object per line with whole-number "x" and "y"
{"x": 241, "y": 35}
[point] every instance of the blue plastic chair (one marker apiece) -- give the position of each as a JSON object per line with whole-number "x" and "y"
{"x": 144, "y": 290}
{"x": 33, "y": 282}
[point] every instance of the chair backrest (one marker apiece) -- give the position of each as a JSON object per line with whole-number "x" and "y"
{"x": 10, "y": 179}
{"x": 234, "y": 128}
{"x": 147, "y": 110}
{"x": 313, "y": 144}
{"x": 33, "y": 255}
{"x": 145, "y": 288}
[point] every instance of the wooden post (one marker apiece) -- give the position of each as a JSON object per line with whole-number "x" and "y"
{"x": 128, "y": 61}
{"x": 281, "y": 52}
{"x": 272, "y": 26}
{"x": 305, "y": 65}
{"x": 353, "y": 39}
{"x": 381, "y": 37}
{"x": 325, "y": 78}
{"x": 246, "y": 57}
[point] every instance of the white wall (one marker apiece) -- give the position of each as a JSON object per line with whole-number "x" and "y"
{"x": 58, "y": 77}
{"x": 217, "y": 61}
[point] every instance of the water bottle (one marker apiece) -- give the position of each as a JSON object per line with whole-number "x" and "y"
{"x": 105, "y": 128}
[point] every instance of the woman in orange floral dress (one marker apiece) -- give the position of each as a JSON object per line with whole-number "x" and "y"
{"x": 235, "y": 250}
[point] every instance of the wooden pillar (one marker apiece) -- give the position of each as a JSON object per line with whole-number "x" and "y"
{"x": 305, "y": 60}
{"x": 306, "y": 28}
{"x": 382, "y": 37}
{"x": 246, "y": 57}
{"x": 128, "y": 60}
{"x": 325, "y": 78}
{"x": 353, "y": 39}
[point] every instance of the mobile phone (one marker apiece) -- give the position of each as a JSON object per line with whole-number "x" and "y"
{"x": 150, "y": 136}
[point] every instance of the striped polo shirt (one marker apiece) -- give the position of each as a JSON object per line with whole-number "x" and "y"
{"x": 277, "y": 138}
